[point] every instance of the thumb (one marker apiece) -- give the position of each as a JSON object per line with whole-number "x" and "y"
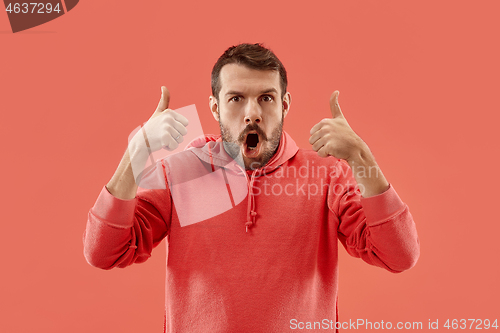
{"x": 334, "y": 105}
{"x": 164, "y": 100}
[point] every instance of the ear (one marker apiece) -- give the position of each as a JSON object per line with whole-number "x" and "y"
{"x": 214, "y": 107}
{"x": 287, "y": 101}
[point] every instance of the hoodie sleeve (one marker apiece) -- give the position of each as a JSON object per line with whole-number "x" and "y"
{"x": 122, "y": 232}
{"x": 379, "y": 229}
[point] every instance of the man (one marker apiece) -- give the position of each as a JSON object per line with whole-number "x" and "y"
{"x": 267, "y": 262}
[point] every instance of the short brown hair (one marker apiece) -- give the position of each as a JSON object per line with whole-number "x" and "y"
{"x": 254, "y": 56}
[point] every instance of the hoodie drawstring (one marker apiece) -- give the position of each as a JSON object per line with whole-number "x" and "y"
{"x": 281, "y": 155}
{"x": 211, "y": 158}
{"x": 251, "y": 213}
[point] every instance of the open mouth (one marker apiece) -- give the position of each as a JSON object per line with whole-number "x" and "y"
{"x": 252, "y": 141}
{"x": 251, "y": 145}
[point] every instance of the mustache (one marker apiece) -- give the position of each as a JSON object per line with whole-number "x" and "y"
{"x": 252, "y": 127}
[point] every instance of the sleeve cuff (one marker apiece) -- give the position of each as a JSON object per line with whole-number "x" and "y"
{"x": 113, "y": 211}
{"x": 381, "y": 207}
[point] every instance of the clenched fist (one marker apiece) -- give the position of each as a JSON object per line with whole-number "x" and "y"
{"x": 333, "y": 136}
{"x": 165, "y": 128}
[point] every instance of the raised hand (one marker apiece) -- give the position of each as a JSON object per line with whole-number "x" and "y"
{"x": 333, "y": 136}
{"x": 165, "y": 128}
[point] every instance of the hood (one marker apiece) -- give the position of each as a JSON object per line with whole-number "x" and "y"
{"x": 210, "y": 149}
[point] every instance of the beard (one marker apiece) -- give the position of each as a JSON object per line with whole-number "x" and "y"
{"x": 269, "y": 145}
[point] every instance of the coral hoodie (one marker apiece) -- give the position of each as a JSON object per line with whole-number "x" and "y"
{"x": 250, "y": 251}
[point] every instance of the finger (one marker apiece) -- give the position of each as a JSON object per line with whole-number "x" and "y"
{"x": 171, "y": 139}
{"x": 319, "y": 126}
{"x": 172, "y": 145}
{"x": 322, "y": 152}
{"x": 179, "y": 127}
{"x": 316, "y": 136}
{"x": 319, "y": 144}
{"x": 164, "y": 100}
{"x": 180, "y": 118}
{"x": 175, "y": 134}
{"x": 334, "y": 105}
{"x": 315, "y": 128}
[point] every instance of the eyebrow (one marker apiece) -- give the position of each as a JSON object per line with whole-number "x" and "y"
{"x": 267, "y": 91}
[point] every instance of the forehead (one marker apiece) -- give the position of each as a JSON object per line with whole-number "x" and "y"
{"x": 235, "y": 77}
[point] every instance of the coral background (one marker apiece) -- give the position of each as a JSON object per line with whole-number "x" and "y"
{"x": 418, "y": 82}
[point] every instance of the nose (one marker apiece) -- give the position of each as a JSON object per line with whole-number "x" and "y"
{"x": 253, "y": 113}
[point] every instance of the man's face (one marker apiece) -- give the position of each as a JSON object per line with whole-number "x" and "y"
{"x": 250, "y": 112}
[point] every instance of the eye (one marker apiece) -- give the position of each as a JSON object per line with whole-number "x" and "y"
{"x": 235, "y": 99}
{"x": 267, "y": 98}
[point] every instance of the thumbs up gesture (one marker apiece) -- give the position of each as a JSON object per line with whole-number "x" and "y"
{"x": 333, "y": 136}
{"x": 165, "y": 128}
{"x": 164, "y": 101}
